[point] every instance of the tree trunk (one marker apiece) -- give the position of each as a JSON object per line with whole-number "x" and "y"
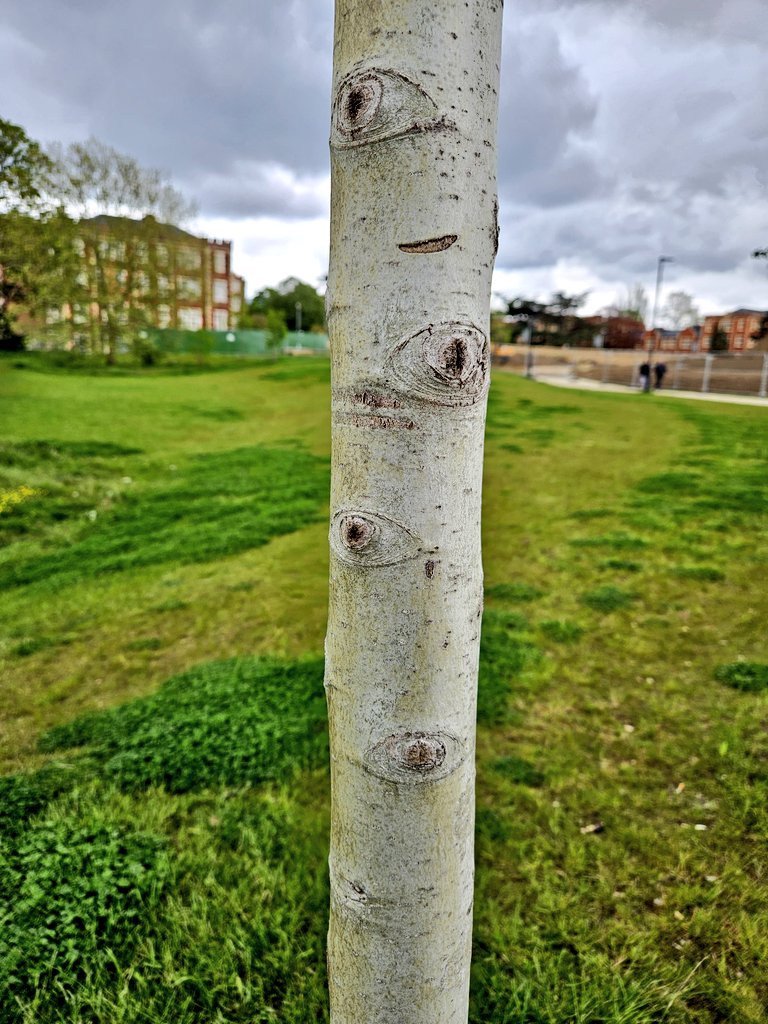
{"x": 413, "y": 238}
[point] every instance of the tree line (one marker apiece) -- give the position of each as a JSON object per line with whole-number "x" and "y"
{"x": 558, "y": 321}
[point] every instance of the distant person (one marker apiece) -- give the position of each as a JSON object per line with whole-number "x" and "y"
{"x": 659, "y": 370}
{"x": 645, "y": 377}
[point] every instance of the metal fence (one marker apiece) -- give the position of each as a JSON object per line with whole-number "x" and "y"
{"x": 232, "y": 343}
{"x": 718, "y": 373}
{"x": 713, "y": 372}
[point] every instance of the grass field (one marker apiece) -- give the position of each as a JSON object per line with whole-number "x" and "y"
{"x": 164, "y": 796}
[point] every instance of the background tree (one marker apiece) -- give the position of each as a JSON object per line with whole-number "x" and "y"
{"x": 555, "y": 322}
{"x": 119, "y": 205}
{"x": 719, "y": 342}
{"x": 633, "y": 303}
{"x": 38, "y": 266}
{"x": 680, "y": 310}
{"x": 23, "y": 168}
{"x": 413, "y": 239}
{"x": 284, "y": 298}
{"x": 276, "y": 329}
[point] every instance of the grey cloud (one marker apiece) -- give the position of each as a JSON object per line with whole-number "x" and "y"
{"x": 186, "y": 85}
{"x": 627, "y": 127}
{"x": 252, "y": 189}
{"x": 546, "y": 116}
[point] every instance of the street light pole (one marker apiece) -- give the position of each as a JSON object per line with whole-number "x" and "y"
{"x": 659, "y": 277}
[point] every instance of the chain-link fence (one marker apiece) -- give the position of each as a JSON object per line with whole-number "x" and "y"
{"x": 719, "y": 373}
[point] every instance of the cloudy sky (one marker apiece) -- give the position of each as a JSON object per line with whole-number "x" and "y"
{"x": 628, "y": 129}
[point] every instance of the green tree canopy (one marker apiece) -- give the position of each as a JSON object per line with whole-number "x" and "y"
{"x": 284, "y": 299}
{"x": 24, "y": 168}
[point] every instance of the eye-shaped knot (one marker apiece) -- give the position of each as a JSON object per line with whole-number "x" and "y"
{"x": 372, "y": 105}
{"x": 363, "y": 538}
{"x": 445, "y": 363}
{"x": 415, "y": 756}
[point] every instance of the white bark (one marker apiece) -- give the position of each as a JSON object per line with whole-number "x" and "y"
{"x": 413, "y": 238}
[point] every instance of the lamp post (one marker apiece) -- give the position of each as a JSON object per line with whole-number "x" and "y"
{"x": 659, "y": 277}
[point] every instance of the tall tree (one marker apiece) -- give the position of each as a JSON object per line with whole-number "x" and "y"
{"x": 413, "y": 239}
{"x": 37, "y": 266}
{"x": 633, "y": 303}
{"x": 119, "y": 204}
{"x": 680, "y": 310}
{"x": 23, "y": 168}
{"x": 285, "y": 298}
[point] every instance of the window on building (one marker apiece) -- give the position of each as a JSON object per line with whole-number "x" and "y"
{"x": 161, "y": 252}
{"x": 163, "y": 283}
{"x": 235, "y": 304}
{"x": 188, "y": 259}
{"x": 163, "y": 315}
{"x": 189, "y": 287}
{"x": 220, "y": 320}
{"x": 219, "y": 261}
{"x": 220, "y": 292}
{"x": 190, "y": 319}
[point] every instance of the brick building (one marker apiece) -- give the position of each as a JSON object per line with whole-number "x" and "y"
{"x": 142, "y": 273}
{"x": 738, "y": 331}
{"x": 688, "y": 339}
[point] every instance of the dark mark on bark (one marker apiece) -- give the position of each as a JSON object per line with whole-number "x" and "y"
{"x": 429, "y": 569}
{"x": 422, "y": 753}
{"x": 375, "y": 401}
{"x": 439, "y": 244}
{"x": 357, "y": 532}
{"x": 377, "y": 422}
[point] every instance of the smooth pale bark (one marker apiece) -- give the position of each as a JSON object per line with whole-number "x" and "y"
{"x": 413, "y": 238}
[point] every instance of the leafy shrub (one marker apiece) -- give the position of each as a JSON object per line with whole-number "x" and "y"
{"x": 220, "y": 504}
{"x": 561, "y": 630}
{"x": 221, "y": 723}
{"x": 503, "y": 657}
{"x": 750, "y": 676}
{"x": 608, "y": 599}
{"x": 71, "y": 895}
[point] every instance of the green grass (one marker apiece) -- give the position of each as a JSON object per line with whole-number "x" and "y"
{"x": 164, "y": 808}
{"x": 211, "y": 506}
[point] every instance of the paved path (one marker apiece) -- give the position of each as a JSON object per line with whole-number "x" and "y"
{"x": 563, "y": 379}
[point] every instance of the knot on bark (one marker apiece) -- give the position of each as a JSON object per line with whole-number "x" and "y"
{"x": 370, "y": 539}
{"x": 419, "y": 752}
{"x": 415, "y": 756}
{"x": 376, "y": 104}
{"x": 444, "y": 363}
{"x": 359, "y": 101}
{"x": 357, "y": 533}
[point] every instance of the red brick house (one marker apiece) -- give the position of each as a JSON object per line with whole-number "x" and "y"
{"x": 737, "y": 331}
